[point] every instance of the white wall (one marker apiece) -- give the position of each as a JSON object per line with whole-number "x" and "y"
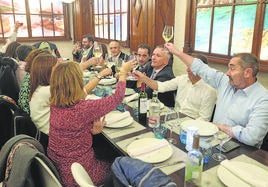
{"x": 179, "y": 32}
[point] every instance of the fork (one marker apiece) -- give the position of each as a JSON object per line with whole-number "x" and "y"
{"x": 130, "y": 141}
{"x": 169, "y": 164}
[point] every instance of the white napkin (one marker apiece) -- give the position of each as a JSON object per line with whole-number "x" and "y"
{"x": 131, "y": 98}
{"x": 116, "y": 116}
{"x": 145, "y": 149}
{"x": 248, "y": 176}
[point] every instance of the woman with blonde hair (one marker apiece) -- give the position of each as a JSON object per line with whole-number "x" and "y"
{"x": 73, "y": 120}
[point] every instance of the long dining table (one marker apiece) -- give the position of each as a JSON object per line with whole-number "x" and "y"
{"x": 118, "y": 139}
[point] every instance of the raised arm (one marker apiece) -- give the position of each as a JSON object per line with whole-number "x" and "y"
{"x": 90, "y": 62}
{"x": 187, "y": 59}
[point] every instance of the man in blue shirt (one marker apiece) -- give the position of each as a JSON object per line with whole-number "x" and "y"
{"x": 242, "y": 104}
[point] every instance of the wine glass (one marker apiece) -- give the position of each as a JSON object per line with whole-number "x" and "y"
{"x": 223, "y": 139}
{"x": 133, "y": 56}
{"x": 167, "y": 33}
{"x": 97, "y": 52}
{"x": 109, "y": 61}
{"x": 118, "y": 64}
{"x": 172, "y": 120}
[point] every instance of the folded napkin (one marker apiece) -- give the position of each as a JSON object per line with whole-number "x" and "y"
{"x": 145, "y": 149}
{"x": 250, "y": 177}
{"x": 131, "y": 98}
{"x": 116, "y": 116}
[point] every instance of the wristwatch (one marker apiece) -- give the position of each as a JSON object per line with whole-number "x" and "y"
{"x": 99, "y": 77}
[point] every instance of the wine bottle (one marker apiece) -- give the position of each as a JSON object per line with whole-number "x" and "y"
{"x": 143, "y": 106}
{"x": 194, "y": 164}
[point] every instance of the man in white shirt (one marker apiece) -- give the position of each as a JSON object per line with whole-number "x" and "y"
{"x": 194, "y": 97}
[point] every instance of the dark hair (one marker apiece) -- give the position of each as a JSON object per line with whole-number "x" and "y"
{"x": 202, "y": 57}
{"x": 11, "y": 50}
{"x": 23, "y": 51}
{"x": 104, "y": 50}
{"x": 145, "y": 46}
{"x": 89, "y": 37}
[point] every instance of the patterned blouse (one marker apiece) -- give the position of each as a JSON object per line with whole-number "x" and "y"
{"x": 23, "y": 101}
{"x": 70, "y": 139}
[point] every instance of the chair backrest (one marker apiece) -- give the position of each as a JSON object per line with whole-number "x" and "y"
{"x": 7, "y": 108}
{"x": 80, "y": 175}
{"x": 47, "y": 177}
{"x": 23, "y": 124}
{"x": 20, "y": 164}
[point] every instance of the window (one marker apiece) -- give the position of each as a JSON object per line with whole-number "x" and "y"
{"x": 111, "y": 20}
{"x": 40, "y": 18}
{"x": 221, "y": 28}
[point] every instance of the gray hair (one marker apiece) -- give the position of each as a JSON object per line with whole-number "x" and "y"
{"x": 166, "y": 52}
{"x": 249, "y": 60}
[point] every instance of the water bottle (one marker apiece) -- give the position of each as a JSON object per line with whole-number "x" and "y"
{"x": 154, "y": 111}
{"x": 194, "y": 163}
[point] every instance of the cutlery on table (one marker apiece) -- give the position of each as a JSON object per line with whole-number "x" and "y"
{"x": 169, "y": 164}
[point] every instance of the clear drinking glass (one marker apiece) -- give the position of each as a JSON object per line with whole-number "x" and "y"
{"x": 97, "y": 50}
{"x": 172, "y": 120}
{"x": 223, "y": 139}
{"x": 167, "y": 33}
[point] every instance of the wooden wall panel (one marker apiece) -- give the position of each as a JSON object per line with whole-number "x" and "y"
{"x": 138, "y": 23}
{"x": 83, "y": 18}
{"x": 147, "y": 20}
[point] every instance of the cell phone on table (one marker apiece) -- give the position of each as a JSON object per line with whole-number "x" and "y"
{"x": 228, "y": 146}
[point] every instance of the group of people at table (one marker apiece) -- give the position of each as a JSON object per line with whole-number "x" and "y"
{"x": 53, "y": 93}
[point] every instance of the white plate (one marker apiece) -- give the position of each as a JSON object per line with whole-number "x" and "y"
{"x": 148, "y": 103}
{"x": 231, "y": 180}
{"x": 122, "y": 123}
{"x": 204, "y": 128}
{"x": 156, "y": 154}
{"x": 129, "y": 91}
{"x": 107, "y": 81}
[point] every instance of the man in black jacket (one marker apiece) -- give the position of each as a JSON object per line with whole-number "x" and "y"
{"x": 81, "y": 55}
{"x": 160, "y": 70}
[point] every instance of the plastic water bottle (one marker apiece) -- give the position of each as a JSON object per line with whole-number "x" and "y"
{"x": 154, "y": 111}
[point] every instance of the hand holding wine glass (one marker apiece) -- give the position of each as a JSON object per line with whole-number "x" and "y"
{"x": 97, "y": 52}
{"x": 167, "y": 33}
